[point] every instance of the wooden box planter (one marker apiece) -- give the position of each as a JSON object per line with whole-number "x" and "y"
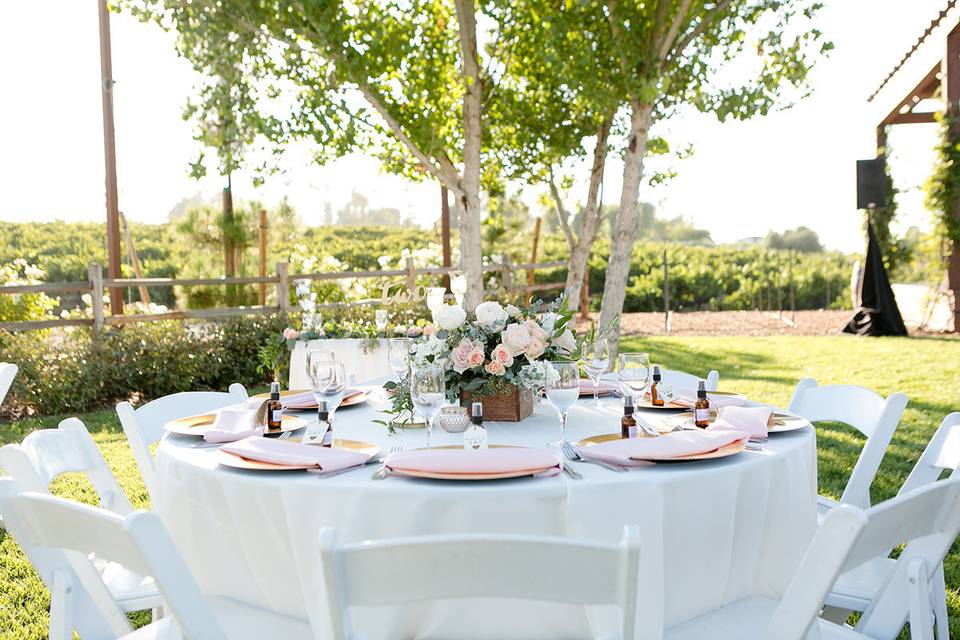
{"x": 508, "y": 405}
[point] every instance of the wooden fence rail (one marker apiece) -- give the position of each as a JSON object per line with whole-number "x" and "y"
{"x": 282, "y": 279}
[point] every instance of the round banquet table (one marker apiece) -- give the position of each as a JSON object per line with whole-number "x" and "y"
{"x": 711, "y": 531}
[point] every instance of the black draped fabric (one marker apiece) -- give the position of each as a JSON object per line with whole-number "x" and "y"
{"x": 878, "y": 314}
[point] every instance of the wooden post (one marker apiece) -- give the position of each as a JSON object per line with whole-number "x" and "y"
{"x": 666, "y": 294}
{"x": 950, "y": 90}
{"x": 411, "y": 275}
{"x": 445, "y": 233}
{"x": 110, "y": 158}
{"x": 262, "y": 229}
{"x": 506, "y": 269}
{"x": 134, "y": 260}
{"x": 585, "y": 294}
{"x": 532, "y": 273}
{"x": 95, "y": 272}
{"x": 283, "y": 287}
{"x": 229, "y": 253}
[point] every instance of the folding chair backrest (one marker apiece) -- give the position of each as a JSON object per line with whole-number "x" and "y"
{"x": 941, "y": 454}
{"x": 138, "y": 541}
{"x": 143, "y": 426}
{"x": 8, "y": 371}
{"x": 46, "y": 454}
{"x": 683, "y": 380}
{"x": 407, "y": 570}
{"x": 866, "y": 411}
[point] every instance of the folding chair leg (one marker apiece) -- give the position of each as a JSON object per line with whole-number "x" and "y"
{"x": 921, "y": 617}
{"x": 938, "y": 597}
{"x": 60, "y": 603}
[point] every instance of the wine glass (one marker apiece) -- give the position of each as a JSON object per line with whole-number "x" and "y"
{"x": 380, "y": 318}
{"x": 398, "y": 352}
{"x": 563, "y": 388}
{"x": 428, "y": 391}
{"x": 458, "y": 285}
{"x": 329, "y": 384}
{"x": 315, "y": 356}
{"x": 595, "y": 357}
{"x": 634, "y": 373}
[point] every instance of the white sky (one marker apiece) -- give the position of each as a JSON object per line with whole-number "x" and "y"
{"x": 791, "y": 168}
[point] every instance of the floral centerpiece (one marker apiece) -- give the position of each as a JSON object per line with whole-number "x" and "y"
{"x": 498, "y": 355}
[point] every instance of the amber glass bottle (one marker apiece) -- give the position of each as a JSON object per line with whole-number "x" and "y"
{"x": 655, "y": 398}
{"x": 628, "y": 424}
{"x": 701, "y": 410}
{"x": 274, "y": 409}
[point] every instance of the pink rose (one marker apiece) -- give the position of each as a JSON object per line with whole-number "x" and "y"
{"x": 461, "y": 355}
{"x": 536, "y": 348}
{"x": 502, "y": 354}
{"x": 429, "y": 330}
{"x": 495, "y": 368}
{"x": 290, "y": 334}
{"x": 535, "y": 330}
{"x": 477, "y": 357}
{"x": 516, "y": 336}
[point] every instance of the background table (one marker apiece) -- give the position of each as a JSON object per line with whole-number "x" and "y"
{"x": 723, "y": 529}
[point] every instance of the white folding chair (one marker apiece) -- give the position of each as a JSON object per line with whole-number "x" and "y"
{"x": 8, "y": 372}
{"x": 138, "y": 540}
{"x": 856, "y": 590}
{"x": 928, "y": 519}
{"x": 143, "y": 426}
{"x": 429, "y": 568}
{"x": 47, "y": 454}
{"x": 864, "y": 410}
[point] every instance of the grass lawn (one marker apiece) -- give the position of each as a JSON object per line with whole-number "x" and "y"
{"x": 926, "y": 369}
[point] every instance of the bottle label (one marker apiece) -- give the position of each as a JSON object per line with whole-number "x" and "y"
{"x": 276, "y": 416}
{"x": 632, "y": 431}
{"x": 701, "y": 415}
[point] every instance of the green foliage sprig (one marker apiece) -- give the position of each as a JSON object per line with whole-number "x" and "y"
{"x": 943, "y": 190}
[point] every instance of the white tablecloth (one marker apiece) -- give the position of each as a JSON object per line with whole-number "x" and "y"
{"x": 729, "y": 527}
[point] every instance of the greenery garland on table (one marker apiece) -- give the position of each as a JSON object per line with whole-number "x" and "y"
{"x": 942, "y": 189}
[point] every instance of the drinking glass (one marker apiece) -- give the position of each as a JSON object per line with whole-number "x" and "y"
{"x": 458, "y": 285}
{"x": 329, "y": 384}
{"x": 595, "y": 357}
{"x": 634, "y": 373}
{"x": 428, "y": 391}
{"x": 380, "y": 318}
{"x": 398, "y": 351}
{"x": 315, "y": 356}
{"x": 563, "y": 388}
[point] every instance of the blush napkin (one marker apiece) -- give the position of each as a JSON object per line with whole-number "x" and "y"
{"x": 605, "y": 388}
{"x": 295, "y": 453}
{"x": 464, "y": 462}
{"x": 234, "y": 422}
{"x": 753, "y": 420}
{"x": 688, "y": 398}
{"x": 634, "y": 451}
{"x": 300, "y": 400}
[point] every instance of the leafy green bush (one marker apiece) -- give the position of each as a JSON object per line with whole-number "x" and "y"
{"x": 72, "y": 372}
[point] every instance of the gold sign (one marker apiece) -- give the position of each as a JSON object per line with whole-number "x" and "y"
{"x": 403, "y": 294}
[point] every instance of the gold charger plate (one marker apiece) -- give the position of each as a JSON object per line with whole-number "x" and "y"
{"x": 670, "y": 406}
{"x": 780, "y": 422}
{"x": 239, "y": 462}
{"x": 471, "y": 476}
{"x": 727, "y": 450}
{"x": 199, "y": 425}
{"x": 359, "y": 398}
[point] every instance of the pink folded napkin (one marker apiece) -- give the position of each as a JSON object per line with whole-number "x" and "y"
{"x": 233, "y": 422}
{"x": 301, "y": 399}
{"x": 672, "y": 445}
{"x": 295, "y": 453}
{"x": 753, "y": 420}
{"x": 604, "y": 389}
{"x": 688, "y": 398}
{"x": 464, "y": 462}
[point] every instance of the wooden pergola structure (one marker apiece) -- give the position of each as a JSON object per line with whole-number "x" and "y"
{"x": 935, "y": 60}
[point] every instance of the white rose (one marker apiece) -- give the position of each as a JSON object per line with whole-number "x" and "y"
{"x": 490, "y": 314}
{"x": 565, "y": 341}
{"x": 516, "y": 337}
{"x": 548, "y": 321}
{"x": 450, "y": 316}
{"x": 513, "y": 311}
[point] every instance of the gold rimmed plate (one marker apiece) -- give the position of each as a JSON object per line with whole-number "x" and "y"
{"x": 779, "y": 422}
{"x": 517, "y": 473}
{"x": 723, "y": 452}
{"x": 353, "y": 400}
{"x": 199, "y": 425}
{"x": 239, "y": 462}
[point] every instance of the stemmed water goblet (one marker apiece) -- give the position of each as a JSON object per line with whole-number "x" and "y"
{"x": 633, "y": 372}
{"x": 398, "y": 352}
{"x": 380, "y": 317}
{"x": 329, "y": 384}
{"x": 428, "y": 391}
{"x": 563, "y": 389}
{"x": 595, "y": 357}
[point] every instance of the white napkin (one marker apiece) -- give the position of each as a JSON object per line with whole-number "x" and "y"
{"x": 232, "y": 423}
{"x": 752, "y": 420}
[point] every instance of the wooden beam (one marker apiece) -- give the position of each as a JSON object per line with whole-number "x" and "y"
{"x": 951, "y": 94}
{"x": 445, "y": 233}
{"x": 926, "y": 88}
{"x": 911, "y": 117}
{"x": 109, "y": 157}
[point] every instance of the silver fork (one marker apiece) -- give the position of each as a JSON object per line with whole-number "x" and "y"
{"x": 383, "y": 471}
{"x": 573, "y": 454}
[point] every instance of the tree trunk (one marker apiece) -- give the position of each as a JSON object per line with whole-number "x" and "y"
{"x": 625, "y": 231}
{"x": 580, "y": 252}
{"x": 468, "y": 204}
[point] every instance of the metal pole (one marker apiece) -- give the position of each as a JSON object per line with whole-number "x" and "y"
{"x": 110, "y": 159}
{"x": 445, "y": 232}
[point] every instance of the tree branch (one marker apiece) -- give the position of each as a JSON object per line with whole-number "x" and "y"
{"x": 671, "y": 36}
{"x": 705, "y": 22}
{"x": 561, "y": 211}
